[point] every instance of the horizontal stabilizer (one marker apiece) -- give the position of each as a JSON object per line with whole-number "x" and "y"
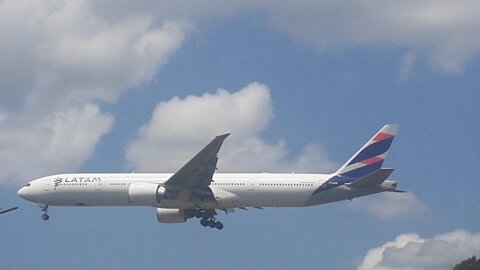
{"x": 373, "y": 179}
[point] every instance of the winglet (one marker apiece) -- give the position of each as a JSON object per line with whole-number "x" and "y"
{"x": 223, "y": 136}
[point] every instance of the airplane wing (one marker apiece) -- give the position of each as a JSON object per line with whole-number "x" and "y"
{"x": 3, "y": 211}
{"x": 197, "y": 174}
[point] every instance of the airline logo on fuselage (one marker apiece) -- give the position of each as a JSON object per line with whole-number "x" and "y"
{"x": 59, "y": 180}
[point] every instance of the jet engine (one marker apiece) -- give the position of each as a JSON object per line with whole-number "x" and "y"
{"x": 145, "y": 193}
{"x": 171, "y": 215}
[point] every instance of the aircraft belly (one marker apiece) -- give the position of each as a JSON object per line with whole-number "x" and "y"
{"x": 273, "y": 198}
{"x": 113, "y": 198}
{"x": 88, "y": 197}
{"x": 339, "y": 194}
{"x": 175, "y": 204}
{"x": 62, "y": 196}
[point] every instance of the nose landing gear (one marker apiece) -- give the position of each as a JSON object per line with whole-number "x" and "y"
{"x": 45, "y": 215}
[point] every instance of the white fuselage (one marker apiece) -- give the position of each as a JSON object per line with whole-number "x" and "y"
{"x": 231, "y": 190}
{"x": 196, "y": 190}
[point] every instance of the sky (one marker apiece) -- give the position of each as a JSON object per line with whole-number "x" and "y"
{"x": 122, "y": 86}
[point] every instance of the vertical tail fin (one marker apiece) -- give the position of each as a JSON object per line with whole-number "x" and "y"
{"x": 371, "y": 156}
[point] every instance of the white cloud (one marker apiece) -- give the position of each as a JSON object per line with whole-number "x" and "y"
{"x": 445, "y": 32}
{"x": 183, "y": 10}
{"x": 60, "y": 60}
{"x": 180, "y": 127}
{"x": 64, "y": 56}
{"x": 61, "y": 141}
{"x": 62, "y": 52}
{"x": 411, "y": 252}
{"x": 388, "y": 206}
{"x": 406, "y": 67}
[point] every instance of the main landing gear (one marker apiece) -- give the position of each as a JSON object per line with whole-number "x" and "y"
{"x": 45, "y": 215}
{"x": 210, "y": 222}
{"x": 206, "y": 216}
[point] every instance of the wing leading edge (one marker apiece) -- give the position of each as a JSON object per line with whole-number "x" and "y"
{"x": 198, "y": 172}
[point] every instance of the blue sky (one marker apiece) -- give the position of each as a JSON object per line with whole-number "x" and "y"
{"x": 98, "y": 87}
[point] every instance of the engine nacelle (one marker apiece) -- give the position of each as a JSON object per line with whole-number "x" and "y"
{"x": 171, "y": 215}
{"x": 145, "y": 193}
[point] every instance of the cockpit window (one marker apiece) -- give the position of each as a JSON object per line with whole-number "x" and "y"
{"x": 27, "y": 185}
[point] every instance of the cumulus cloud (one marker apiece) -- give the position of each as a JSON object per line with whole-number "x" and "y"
{"x": 60, "y": 141}
{"x": 181, "y": 127}
{"x": 60, "y": 61}
{"x": 411, "y": 252}
{"x": 389, "y": 206}
{"x": 61, "y": 52}
{"x": 60, "y": 57}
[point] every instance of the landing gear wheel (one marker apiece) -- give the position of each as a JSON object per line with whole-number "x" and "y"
{"x": 211, "y": 223}
{"x": 45, "y": 212}
{"x": 218, "y": 225}
{"x": 207, "y": 218}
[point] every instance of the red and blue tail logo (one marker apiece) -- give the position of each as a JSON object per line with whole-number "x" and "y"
{"x": 366, "y": 161}
{"x": 371, "y": 156}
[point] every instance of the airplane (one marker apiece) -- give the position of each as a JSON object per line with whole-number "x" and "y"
{"x": 3, "y": 211}
{"x": 196, "y": 191}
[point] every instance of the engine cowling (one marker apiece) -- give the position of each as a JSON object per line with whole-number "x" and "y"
{"x": 145, "y": 193}
{"x": 171, "y": 215}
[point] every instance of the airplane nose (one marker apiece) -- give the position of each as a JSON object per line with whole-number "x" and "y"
{"x": 27, "y": 193}
{"x": 22, "y": 192}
